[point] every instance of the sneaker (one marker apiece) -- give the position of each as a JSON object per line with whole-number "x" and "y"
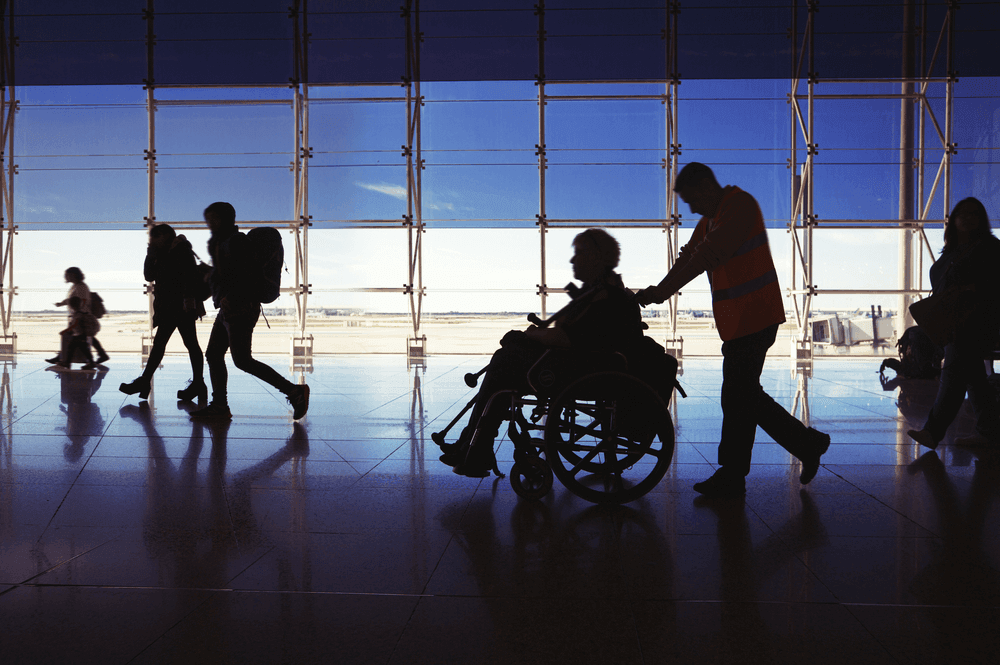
{"x": 299, "y": 399}
{"x": 723, "y": 484}
{"x": 923, "y": 437}
{"x": 213, "y": 412}
{"x": 810, "y": 463}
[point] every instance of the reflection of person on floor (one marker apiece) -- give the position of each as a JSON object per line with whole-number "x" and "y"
{"x": 603, "y": 318}
{"x": 232, "y": 281}
{"x": 730, "y": 244}
{"x": 239, "y": 485}
{"x": 170, "y": 266}
{"x": 970, "y": 261}
{"x": 83, "y": 418}
{"x": 77, "y": 314}
{"x": 536, "y": 552}
{"x": 187, "y": 534}
{"x": 744, "y": 568}
{"x": 961, "y": 574}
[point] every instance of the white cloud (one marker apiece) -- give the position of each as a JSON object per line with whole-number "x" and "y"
{"x": 395, "y": 191}
{"x": 399, "y": 192}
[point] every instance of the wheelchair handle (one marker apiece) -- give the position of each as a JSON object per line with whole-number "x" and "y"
{"x": 472, "y": 379}
{"x": 574, "y": 292}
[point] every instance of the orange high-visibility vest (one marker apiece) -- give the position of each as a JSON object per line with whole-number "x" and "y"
{"x": 746, "y": 297}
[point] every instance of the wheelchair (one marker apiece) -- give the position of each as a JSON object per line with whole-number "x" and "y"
{"x": 590, "y": 421}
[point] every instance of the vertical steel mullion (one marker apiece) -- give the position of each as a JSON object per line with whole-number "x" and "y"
{"x": 417, "y": 229}
{"x": 542, "y": 223}
{"x": 303, "y": 286}
{"x": 418, "y": 209}
{"x": 794, "y": 159}
{"x": 151, "y": 139}
{"x": 7, "y": 111}
{"x": 304, "y": 221}
{"x": 408, "y": 153}
{"x": 949, "y": 99}
{"x": 904, "y": 269}
{"x": 11, "y": 111}
{"x": 811, "y": 164}
{"x": 675, "y": 157}
{"x": 4, "y": 201}
{"x": 297, "y": 182}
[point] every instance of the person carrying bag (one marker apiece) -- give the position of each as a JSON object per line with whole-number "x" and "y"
{"x": 963, "y": 315}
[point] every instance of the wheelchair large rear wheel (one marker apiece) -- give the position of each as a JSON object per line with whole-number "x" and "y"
{"x": 609, "y": 438}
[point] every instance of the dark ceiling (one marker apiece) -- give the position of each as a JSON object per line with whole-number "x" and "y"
{"x": 251, "y": 42}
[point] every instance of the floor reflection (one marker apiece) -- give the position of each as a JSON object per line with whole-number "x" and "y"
{"x": 129, "y": 533}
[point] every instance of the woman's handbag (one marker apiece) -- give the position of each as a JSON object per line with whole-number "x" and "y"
{"x": 941, "y": 315}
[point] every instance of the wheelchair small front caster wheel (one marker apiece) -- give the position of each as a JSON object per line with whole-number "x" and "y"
{"x": 531, "y": 478}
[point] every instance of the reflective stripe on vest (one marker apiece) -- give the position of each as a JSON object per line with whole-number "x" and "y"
{"x": 752, "y": 243}
{"x": 746, "y": 287}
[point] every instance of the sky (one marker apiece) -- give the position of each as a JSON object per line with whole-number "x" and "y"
{"x": 81, "y": 189}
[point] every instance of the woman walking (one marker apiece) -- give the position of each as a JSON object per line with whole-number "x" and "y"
{"x": 79, "y": 295}
{"x": 170, "y": 267}
{"x": 970, "y": 265}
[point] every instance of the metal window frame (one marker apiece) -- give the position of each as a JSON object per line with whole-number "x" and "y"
{"x": 914, "y": 245}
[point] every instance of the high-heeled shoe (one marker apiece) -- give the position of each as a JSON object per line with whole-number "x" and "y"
{"x": 140, "y": 386}
{"x": 194, "y": 391}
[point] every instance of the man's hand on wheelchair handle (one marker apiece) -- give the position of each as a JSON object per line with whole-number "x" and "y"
{"x": 652, "y": 294}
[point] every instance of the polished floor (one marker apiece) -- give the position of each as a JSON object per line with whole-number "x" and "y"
{"x": 129, "y": 534}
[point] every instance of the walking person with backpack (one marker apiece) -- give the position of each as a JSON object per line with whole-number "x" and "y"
{"x": 730, "y": 244}
{"x": 86, "y": 301}
{"x": 970, "y": 267}
{"x": 177, "y": 302}
{"x": 240, "y": 283}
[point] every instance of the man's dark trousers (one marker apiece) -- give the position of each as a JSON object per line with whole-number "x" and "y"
{"x": 235, "y": 334}
{"x": 745, "y": 405}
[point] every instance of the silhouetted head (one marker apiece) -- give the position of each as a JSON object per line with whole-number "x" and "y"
{"x": 161, "y": 235}
{"x": 697, "y": 186}
{"x": 74, "y": 275}
{"x": 968, "y": 222}
{"x": 220, "y": 215}
{"x": 595, "y": 252}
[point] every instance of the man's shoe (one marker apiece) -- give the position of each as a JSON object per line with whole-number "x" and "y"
{"x": 723, "y": 484}
{"x": 810, "y": 463}
{"x": 299, "y": 399}
{"x": 923, "y": 437}
{"x": 102, "y": 358}
{"x": 53, "y": 360}
{"x": 213, "y": 412}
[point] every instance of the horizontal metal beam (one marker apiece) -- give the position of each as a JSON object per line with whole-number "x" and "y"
{"x": 847, "y": 292}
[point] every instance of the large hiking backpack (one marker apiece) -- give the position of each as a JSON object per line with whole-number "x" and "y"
{"x": 269, "y": 257}
{"x": 97, "y": 305}
{"x": 919, "y": 357}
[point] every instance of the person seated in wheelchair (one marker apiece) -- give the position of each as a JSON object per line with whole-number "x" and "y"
{"x": 603, "y": 317}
